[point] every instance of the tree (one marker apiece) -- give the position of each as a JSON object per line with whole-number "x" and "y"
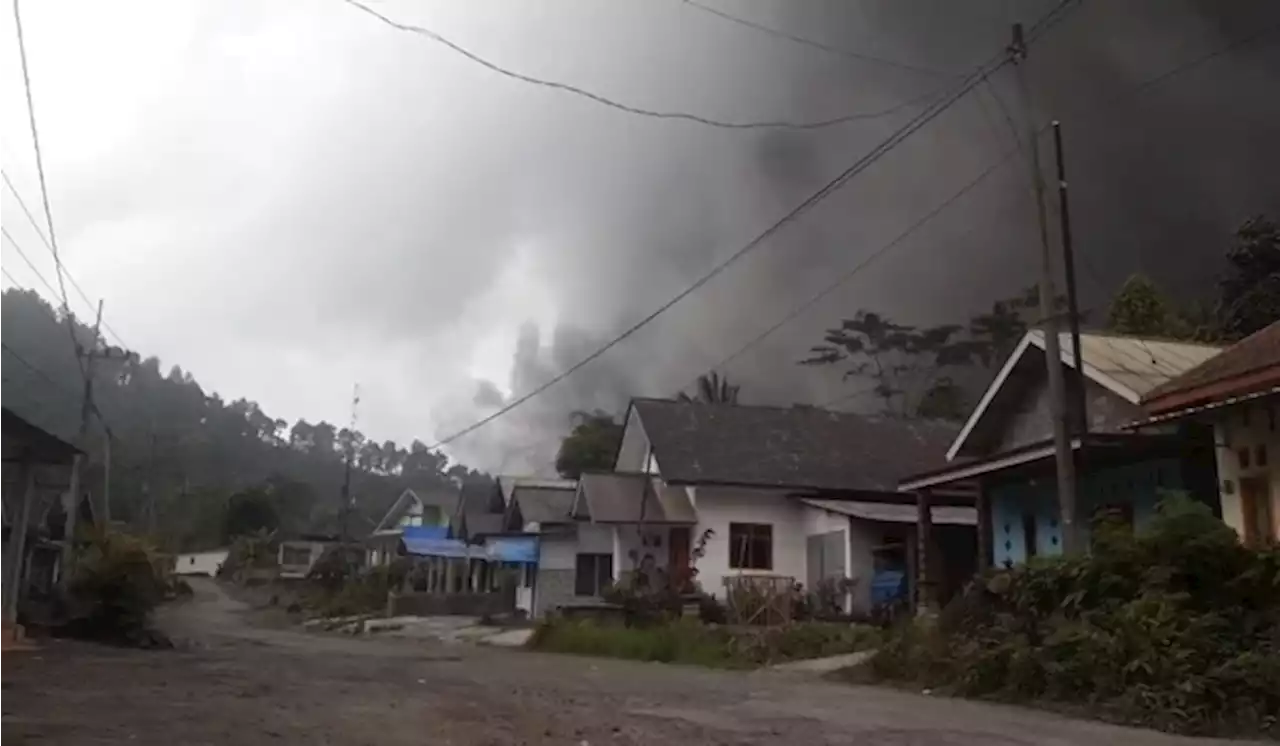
{"x": 1249, "y": 295}
{"x": 913, "y": 370}
{"x": 248, "y": 512}
{"x": 712, "y": 389}
{"x": 1141, "y": 310}
{"x": 186, "y": 452}
{"x": 591, "y": 445}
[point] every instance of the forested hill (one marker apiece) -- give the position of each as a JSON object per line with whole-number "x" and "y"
{"x": 191, "y": 451}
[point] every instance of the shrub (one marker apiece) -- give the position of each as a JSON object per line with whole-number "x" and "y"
{"x": 1176, "y": 628}
{"x": 689, "y": 641}
{"x": 115, "y": 583}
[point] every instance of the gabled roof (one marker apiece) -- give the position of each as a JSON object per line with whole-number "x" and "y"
{"x": 1127, "y": 366}
{"x": 791, "y": 448}
{"x": 631, "y": 498}
{"x": 541, "y": 501}
{"x": 446, "y": 500}
{"x": 1248, "y": 367}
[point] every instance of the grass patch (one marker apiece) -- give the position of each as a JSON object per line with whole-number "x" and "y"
{"x": 689, "y": 641}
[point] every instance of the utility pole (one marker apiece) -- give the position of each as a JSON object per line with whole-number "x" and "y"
{"x": 1048, "y": 296}
{"x": 106, "y": 474}
{"x": 1079, "y": 403}
{"x": 345, "y": 511}
{"x": 91, "y": 355}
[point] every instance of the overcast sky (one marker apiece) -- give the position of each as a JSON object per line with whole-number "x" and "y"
{"x": 288, "y": 197}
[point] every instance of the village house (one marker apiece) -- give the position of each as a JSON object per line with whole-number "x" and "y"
{"x": 37, "y": 532}
{"x": 1005, "y": 451}
{"x": 432, "y": 509}
{"x": 1237, "y": 394}
{"x": 540, "y": 509}
{"x": 206, "y": 562}
{"x": 773, "y": 497}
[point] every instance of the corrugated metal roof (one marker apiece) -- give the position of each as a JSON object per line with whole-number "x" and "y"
{"x": 894, "y": 513}
{"x": 1137, "y": 364}
{"x": 1257, "y": 352}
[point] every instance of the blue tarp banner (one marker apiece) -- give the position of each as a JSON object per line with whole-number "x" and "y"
{"x": 426, "y": 532}
{"x": 522, "y": 549}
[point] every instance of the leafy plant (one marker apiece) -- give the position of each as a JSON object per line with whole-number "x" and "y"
{"x": 115, "y": 582}
{"x": 1176, "y": 628}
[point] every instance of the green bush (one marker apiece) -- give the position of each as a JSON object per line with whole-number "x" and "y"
{"x": 115, "y": 582}
{"x": 1176, "y": 628}
{"x": 689, "y": 641}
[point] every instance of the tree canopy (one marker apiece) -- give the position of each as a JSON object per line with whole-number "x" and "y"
{"x": 591, "y": 445}
{"x": 1249, "y": 293}
{"x": 180, "y": 453}
{"x": 1142, "y": 310}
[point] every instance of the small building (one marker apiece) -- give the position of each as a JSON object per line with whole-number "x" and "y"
{"x": 434, "y": 507}
{"x": 298, "y": 553}
{"x": 205, "y": 563}
{"x": 39, "y": 521}
{"x": 1237, "y": 394}
{"x": 1005, "y": 452}
{"x": 730, "y": 496}
{"x": 540, "y": 509}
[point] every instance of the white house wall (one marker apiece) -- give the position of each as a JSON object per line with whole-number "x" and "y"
{"x": 200, "y": 563}
{"x": 720, "y": 506}
{"x": 1234, "y": 432}
{"x": 633, "y": 453}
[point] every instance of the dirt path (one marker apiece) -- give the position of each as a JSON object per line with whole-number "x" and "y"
{"x": 236, "y": 683}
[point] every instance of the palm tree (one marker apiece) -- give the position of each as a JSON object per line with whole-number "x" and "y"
{"x": 712, "y": 389}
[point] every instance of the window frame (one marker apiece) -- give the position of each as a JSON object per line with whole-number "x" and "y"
{"x": 746, "y": 542}
{"x": 599, "y": 577}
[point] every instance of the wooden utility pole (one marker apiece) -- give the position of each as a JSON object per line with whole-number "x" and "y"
{"x": 1048, "y": 311}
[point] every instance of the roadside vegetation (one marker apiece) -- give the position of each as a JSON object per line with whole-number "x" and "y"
{"x": 1175, "y": 628}
{"x": 689, "y": 641}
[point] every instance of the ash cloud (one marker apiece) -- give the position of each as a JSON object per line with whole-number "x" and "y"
{"x": 1159, "y": 182}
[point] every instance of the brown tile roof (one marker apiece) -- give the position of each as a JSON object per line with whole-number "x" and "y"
{"x": 797, "y": 448}
{"x": 1249, "y": 366}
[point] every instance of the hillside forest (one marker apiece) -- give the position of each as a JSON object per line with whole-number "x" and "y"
{"x": 187, "y": 466}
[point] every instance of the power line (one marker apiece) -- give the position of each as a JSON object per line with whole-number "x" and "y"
{"x": 895, "y": 139}
{"x": 71, "y": 278}
{"x": 867, "y": 261}
{"x": 12, "y": 279}
{"x": 35, "y": 140}
{"x": 860, "y": 56}
{"x": 628, "y": 108}
{"x": 39, "y": 371}
{"x": 5, "y": 232}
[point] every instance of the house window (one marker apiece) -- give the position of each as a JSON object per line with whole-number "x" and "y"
{"x": 593, "y": 573}
{"x": 295, "y": 555}
{"x": 1243, "y": 456}
{"x": 1260, "y": 455}
{"x": 750, "y": 546}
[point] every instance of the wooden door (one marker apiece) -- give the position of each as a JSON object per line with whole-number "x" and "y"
{"x": 678, "y": 555}
{"x": 1255, "y": 505}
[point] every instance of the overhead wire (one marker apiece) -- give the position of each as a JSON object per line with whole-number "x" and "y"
{"x": 70, "y": 278}
{"x": 864, "y": 162}
{"x": 803, "y": 41}
{"x": 1084, "y": 262}
{"x": 5, "y": 232}
{"x": 638, "y": 110}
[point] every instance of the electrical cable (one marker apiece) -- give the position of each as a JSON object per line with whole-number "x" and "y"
{"x": 839, "y": 51}
{"x": 640, "y": 111}
{"x": 5, "y": 232}
{"x": 891, "y": 142}
{"x": 70, "y": 278}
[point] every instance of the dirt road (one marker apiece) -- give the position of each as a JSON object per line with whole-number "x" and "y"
{"x": 235, "y": 682}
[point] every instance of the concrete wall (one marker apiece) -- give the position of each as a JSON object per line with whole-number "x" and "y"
{"x": 633, "y": 454}
{"x": 1249, "y": 427}
{"x": 452, "y": 604}
{"x": 200, "y": 563}
{"x": 720, "y": 506}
